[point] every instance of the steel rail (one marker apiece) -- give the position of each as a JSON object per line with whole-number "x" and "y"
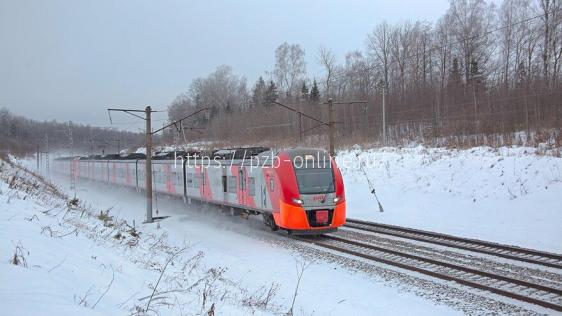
{"x": 440, "y": 275}
{"x": 475, "y": 245}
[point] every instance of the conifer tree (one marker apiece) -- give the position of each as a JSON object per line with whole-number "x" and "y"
{"x": 304, "y": 91}
{"x": 258, "y": 92}
{"x": 455, "y": 77}
{"x": 314, "y": 92}
{"x": 271, "y": 93}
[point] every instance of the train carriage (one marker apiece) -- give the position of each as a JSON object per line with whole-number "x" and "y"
{"x": 300, "y": 190}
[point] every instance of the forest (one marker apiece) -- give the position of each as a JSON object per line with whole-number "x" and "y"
{"x": 21, "y": 136}
{"x": 483, "y": 74}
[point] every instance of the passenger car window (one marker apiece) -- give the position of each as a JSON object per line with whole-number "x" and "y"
{"x": 232, "y": 184}
{"x": 252, "y": 186}
{"x": 224, "y": 184}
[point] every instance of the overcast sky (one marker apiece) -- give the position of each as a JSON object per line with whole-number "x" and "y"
{"x": 70, "y": 60}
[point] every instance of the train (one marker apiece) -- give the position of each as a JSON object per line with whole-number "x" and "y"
{"x": 299, "y": 190}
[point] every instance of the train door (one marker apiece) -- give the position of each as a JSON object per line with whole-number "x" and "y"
{"x": 263, "y": 193}
{"x": 203, "y": 183}
{"x": 224, "y": 184}
{"x": 242, "y": 184}
{"x": 107, "y": 170}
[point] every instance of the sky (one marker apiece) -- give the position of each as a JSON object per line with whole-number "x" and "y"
{"x": 70, "y": 60}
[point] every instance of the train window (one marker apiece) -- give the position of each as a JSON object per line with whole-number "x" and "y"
{"x": 232, "y": 184}
{"x": 224, "y": 184}
{"x": 120, "y": 171}
{"x": 196, "y": 181}
{"x": 315, "y": 181}
{"x": 252, "y": 186}
{"x": 189, "y": 180}
{"x": 271, "y": 184}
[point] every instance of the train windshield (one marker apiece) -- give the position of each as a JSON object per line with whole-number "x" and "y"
{"x": 315, "y": 180}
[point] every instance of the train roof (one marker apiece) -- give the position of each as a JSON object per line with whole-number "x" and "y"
{"x": 68, "y": 158}
{"x": 238, "y": 153}
{"x": 133, "y": 156}
{"x": 228, "y": 153}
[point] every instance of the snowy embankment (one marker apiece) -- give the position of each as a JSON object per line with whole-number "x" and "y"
{"x": 66, "y": 259}
{"x": 59, "y": 257}
{"x": 507, "y": 195}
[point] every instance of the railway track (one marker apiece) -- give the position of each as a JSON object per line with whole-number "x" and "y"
{"x": 539, "y": 294}
{"x": 541, "y": 258}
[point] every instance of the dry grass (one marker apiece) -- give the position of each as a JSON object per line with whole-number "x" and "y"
{"x": 18, "y": 259}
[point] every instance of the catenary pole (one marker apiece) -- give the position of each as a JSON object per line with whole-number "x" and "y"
{"x": 148, "y": 165}
{"x": 331, "y": 127}
{"x": 383, "y": 117}
{"x": 148, "y": 144}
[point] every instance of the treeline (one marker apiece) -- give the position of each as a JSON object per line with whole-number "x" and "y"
{"x": 480, "y": 70}
{"x": 22, "y": 136}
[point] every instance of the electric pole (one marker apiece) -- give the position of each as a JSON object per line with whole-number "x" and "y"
{"x": 383, "y": 117}
{"x": 148, "y": 165}
{"x": 37, "y": 147}
{"x": 47, "y": 172}
{"x": 331, "y": 127}
{"x": 72, "y": 162}
{"x": 148, "y": 145}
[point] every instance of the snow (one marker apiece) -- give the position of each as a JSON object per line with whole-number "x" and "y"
{"x": 507, "y": 195}
{"x": 71, "y": 264}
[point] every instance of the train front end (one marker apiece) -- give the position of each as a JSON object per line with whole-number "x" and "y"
{"x": 313, "y": 197}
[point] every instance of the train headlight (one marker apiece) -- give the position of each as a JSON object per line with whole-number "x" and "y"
{"x": 337, "y": 199}
{"x": 297, "y": 201}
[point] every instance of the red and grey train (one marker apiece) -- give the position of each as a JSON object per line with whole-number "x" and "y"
{"x": 299, "y": 190}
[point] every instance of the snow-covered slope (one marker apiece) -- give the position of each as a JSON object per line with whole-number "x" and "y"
{"x": 59, "y": 257}
{"x": 508, "y": 195}
{"x": 86, "y": 259}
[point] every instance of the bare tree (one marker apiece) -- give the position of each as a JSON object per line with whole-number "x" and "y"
{"x": 442, "y": 37}
{"x": 471, "y": 19}
{"x": 220, "y": 91}
{"x": 551, "y": 49}
{"x": 401, "y": 49}
{"x": 328, "y": 61}
{"x": 358, "y": 74}
{"x": 378, "y": 42}
{"x": 290, "y": 67}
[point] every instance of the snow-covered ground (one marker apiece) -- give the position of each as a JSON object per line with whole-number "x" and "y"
{"x": 74, "y": 261}
{"x": 508, "y": 195}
